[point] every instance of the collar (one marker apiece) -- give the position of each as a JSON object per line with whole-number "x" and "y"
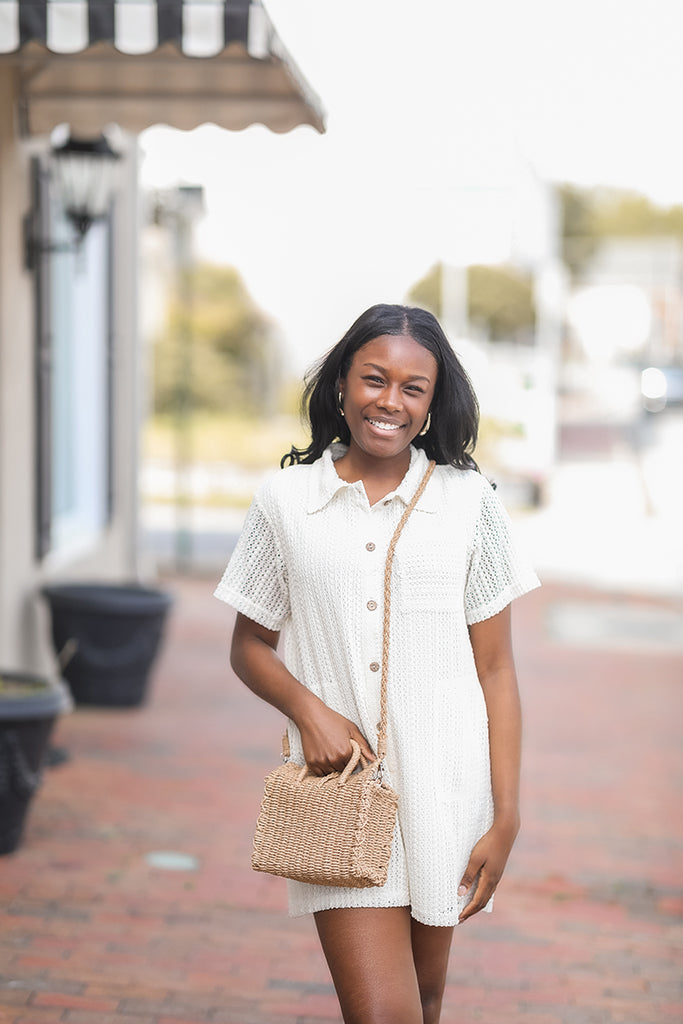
{"x": 325, "y": 482}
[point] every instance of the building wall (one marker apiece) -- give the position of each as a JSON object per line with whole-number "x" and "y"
{"x": 24, "y": 639}
{"x": 16, "y": 380}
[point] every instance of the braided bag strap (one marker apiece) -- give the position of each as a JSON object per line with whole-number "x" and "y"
{"x": 382, "y": 727}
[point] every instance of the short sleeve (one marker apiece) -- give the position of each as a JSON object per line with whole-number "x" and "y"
{"x": 255, "y": 581}
{"x": 498, "y": 572}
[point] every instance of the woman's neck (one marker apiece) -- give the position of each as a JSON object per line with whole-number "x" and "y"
{"x": 379, "y": 476}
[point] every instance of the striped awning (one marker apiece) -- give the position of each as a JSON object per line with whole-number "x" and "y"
{"x": 143, "y": 62}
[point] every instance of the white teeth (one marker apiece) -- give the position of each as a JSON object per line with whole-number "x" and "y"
{"x": 384, "y": 426}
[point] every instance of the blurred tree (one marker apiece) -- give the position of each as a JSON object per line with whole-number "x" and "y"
{"x": 234, "y": 356}
{"x": 426, "y": 292}
{"x": 591, "y": 215}
{"x": 632, "y": 214}
{"x": 500, "y": 299}
{"x": 579, "y": 241}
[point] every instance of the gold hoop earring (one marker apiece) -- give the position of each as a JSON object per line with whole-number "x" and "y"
{"x": 340, "y": 399}
{"x": 428, "y": 423}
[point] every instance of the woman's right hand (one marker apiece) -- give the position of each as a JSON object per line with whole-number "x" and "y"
{"x": 326, "y": 735}
{"x": 326, "y": 739}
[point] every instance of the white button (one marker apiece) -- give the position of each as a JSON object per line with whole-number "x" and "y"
{"x": 371, "y": 605}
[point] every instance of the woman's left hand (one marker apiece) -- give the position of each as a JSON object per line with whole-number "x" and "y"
{"x": 486, "y": 865}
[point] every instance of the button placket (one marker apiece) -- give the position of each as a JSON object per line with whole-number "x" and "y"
{"x": 371, "y": 631}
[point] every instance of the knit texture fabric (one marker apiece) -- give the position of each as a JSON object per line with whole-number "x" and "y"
{"x": 310, "y": 563}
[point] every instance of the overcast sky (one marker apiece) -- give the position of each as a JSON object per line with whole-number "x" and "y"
{"x": 438, "y": 112}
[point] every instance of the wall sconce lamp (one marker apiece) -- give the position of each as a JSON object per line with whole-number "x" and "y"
{"x": 83, "y": 171}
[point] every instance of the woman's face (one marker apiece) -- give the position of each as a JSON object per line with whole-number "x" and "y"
{"x": 387, "y": 394}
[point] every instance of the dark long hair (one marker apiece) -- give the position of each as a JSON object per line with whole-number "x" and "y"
{"x": 455, "y": 410}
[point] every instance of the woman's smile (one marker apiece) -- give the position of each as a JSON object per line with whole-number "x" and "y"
{"x": 385, "y": 425}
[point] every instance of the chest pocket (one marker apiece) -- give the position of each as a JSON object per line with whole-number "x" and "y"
{"x": 429, "y": 568}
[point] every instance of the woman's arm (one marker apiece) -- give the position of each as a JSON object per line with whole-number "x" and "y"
{"x": 492, "y": 646}
{"x": 325, "y": 734}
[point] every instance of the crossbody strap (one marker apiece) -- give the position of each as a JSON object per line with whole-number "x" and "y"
{"x": 382, "y": 726}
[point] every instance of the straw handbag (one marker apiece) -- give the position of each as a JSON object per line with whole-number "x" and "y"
{"x": 334, "y": 830}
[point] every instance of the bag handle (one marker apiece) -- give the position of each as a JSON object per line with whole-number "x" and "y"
{"x": 382, "y": 726}
{"x": 340, "y": 777}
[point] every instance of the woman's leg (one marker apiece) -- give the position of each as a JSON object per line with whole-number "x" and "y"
{"x": 386, "y": 969}
{"x": 431, "y": 947}
{"x": 370, "y": 956}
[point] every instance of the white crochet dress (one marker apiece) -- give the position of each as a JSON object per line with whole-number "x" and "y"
{"x": 310, "y": 562}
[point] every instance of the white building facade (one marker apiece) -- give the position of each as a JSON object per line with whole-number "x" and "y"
{"x": 70, "y": 363}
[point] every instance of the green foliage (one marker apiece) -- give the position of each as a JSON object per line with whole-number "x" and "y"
{"x": 426, "y": 292}
{"x": 254, "y": 442}
{"x": 218, "y": 351}
{"x": 499, "y": 299}
{"x": 579, "y": 240}
{"x": 632, "y": 214}
{"x": 592, "y": 215}
{"x": 10, "y": 687}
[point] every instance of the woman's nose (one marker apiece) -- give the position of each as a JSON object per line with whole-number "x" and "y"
{"x": 390, "y": 399}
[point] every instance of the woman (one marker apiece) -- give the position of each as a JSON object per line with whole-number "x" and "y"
{"x": 310, "y": 562}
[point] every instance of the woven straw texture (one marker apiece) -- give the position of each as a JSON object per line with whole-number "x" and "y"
{"x": 329, "y": 831}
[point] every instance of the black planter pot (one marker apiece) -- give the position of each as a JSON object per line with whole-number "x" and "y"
{"x": 110, "y": 636}
{"x": 29, "y": 706}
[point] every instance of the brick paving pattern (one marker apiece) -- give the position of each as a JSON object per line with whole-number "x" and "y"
{"x": 587, "y": 927}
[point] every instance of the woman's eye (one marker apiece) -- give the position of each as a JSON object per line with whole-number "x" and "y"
{"x": 374, "y": 380}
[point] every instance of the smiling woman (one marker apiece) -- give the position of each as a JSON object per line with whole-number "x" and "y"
{"x": 433, "y": 391}
{"x": 390, "y": 397}
{"x": 385, "y": 399}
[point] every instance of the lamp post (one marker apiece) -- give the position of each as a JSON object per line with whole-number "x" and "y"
{"x": 179, "y": 209}
{"x": 189, "y": 207}
{"x": 85, "y": 176}
{"x": 84, "y": 172}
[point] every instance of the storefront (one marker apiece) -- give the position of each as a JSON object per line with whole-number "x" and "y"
{"x": 69, "y": 352}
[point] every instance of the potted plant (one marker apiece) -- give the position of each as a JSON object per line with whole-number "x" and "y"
{"x": 29, "y": 706}
{"x": 106, "y": 637}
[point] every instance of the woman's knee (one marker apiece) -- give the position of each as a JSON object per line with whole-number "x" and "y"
{"x": 431, "y": 1006}
{"x": 386, "y": 1001}
{"x": 431, "y": 948}
{"x": 388, "y": 1008}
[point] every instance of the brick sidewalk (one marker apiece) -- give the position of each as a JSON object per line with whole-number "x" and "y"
{"x": 587, "y": 927}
